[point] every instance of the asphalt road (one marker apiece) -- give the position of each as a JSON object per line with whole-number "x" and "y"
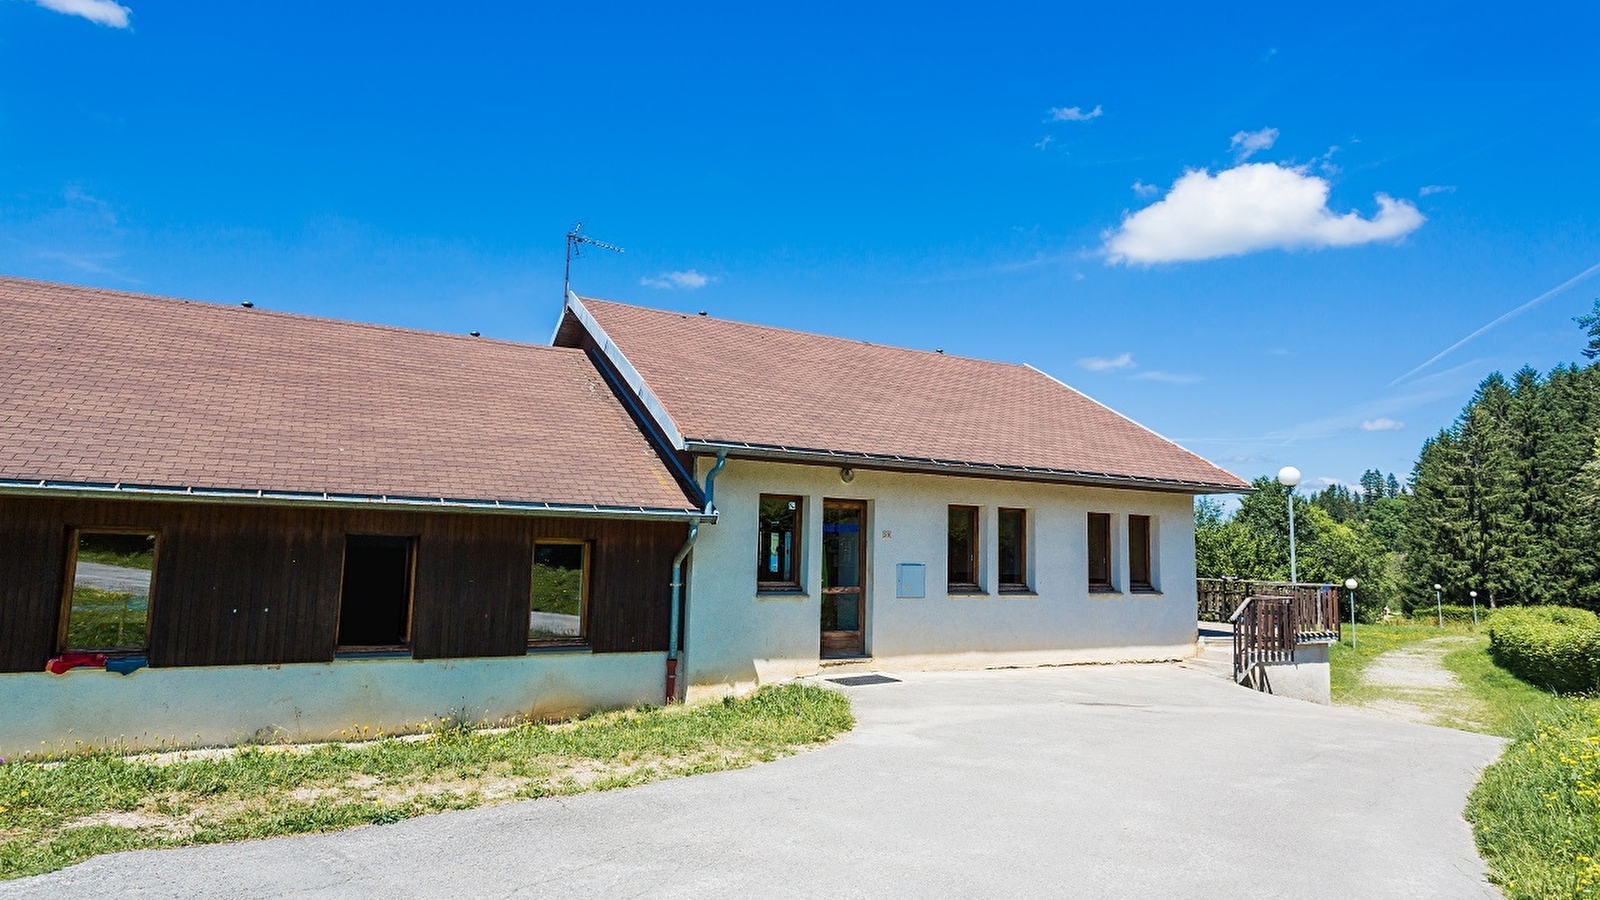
{"x": 112, "y": 578}
{"x": 1103, "y": 782}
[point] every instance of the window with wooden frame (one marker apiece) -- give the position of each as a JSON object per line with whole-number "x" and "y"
{"x": 962, "y": 568}
{"x": 1140, "y": 569}
{"x": 1100, "y": 552}
{"x": 1013, "y": 551}
{"x": 558, "y": 608}
{"x": 106, "y": 607}
{"x": 778, "y": 543}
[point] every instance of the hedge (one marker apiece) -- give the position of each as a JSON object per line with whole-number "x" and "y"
{"x": 1553, "y": 647}
{"x": 1452, "y": 613}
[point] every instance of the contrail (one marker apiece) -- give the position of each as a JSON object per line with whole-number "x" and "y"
{"x": 1521, "y": 309}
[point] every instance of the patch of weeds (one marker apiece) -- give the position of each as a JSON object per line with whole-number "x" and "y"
{"x": 1536, "y": 813}
{"x": 55, "y": 812}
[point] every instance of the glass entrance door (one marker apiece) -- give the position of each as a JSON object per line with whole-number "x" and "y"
{"x": 844, "y": 569}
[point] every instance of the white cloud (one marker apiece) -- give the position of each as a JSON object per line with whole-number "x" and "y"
{"x": 1105, "y": 364}
{"x": 1429, "y": 190}
{"x": 1074, "y": 113}
{"x": 1246, "y": 143}
{"x": 1145, "y": 190}
{"x": 1382, "y": 423}
{"x": 1044, "y": 142}
{"x": 1167, "y": 377}
{"x": 689, "y": 280}
{"x": 101, "y": 12}
{"x": 1251, "y": 207}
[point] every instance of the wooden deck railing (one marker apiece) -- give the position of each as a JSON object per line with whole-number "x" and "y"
{"x": 1272, "y": 618}
{"x": 1219, "y": 597}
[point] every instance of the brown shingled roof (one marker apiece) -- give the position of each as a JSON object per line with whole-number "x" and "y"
{"x": 725, "y": 382}
{"x": 104, "y": 387}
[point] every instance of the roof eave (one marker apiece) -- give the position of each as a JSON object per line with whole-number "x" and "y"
{"x": 265, "y": 497}
{"x": 890, "y": 462}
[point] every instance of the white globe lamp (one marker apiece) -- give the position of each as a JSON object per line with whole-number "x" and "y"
{"x": 1289, "y": 476}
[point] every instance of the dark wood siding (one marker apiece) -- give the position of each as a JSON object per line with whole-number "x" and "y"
{"x": 247, "y": 584}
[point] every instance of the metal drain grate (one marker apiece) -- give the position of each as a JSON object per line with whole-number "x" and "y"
{"x": 863, "y": 680}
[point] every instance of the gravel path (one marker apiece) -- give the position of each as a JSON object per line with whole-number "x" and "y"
{"x": 1411, "y": 684}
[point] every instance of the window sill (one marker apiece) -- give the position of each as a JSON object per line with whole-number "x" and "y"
{"x": 1104, "y": 592}
{"x": 1018, "y": 592}
{"x": 372, "y": 653}
{"x": 1146, "y": 591}
{"x": 966, "y": 590}
{"x": 558, "y": 646}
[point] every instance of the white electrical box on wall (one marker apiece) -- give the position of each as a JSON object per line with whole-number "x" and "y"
{"x": 911, "y": 580}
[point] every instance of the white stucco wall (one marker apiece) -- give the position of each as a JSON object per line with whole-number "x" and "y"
{"x": 737, "y": 638}
{"x": 213, "y": 705}
{"x": 1309, "y": 677}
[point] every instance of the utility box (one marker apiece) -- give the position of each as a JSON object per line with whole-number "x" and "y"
{"x": 911, "y": 580}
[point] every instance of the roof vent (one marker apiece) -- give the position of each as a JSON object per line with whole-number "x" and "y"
{"x": 940, "y": 351}
{"x": 473, "y": 333}
{"x": 702, "y": 312}
{"x": 247, "y": 304}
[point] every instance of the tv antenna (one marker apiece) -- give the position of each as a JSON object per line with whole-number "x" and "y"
{"x": 575, "y": 242}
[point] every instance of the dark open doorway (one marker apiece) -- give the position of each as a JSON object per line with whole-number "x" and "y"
{"x": 375, "y": 600}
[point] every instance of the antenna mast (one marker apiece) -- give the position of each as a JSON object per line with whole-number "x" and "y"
{"x": 574, "y": 250}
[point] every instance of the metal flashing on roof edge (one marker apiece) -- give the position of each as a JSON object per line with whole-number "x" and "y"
{"x": 956, "y": 467}
{"x": 625, "y": 369}
{"x": 48, "y": 488}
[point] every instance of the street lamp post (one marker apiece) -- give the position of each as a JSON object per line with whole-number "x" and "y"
{"x": 1350, "y": 584}
{"x": 1439, "y": 603}
{"x": 1289, "y": 476}
{"x": 1474, "y": 608}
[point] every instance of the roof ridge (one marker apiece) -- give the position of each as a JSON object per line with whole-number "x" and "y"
{"x": 256, "y": 310}
{"x": 810, "y": 334}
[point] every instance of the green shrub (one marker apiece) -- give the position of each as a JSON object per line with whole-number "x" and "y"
{"x": 1553, "y": 647}
{"x": 1452, "y": 613}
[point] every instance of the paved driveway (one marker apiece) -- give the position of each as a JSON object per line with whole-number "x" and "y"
{"x": 1116, "y": 781}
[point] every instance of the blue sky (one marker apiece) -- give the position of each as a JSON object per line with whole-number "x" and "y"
{"x": 1243, "y": 228}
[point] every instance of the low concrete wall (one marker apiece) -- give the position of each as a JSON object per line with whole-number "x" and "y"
{"x": 189, "y": 707}
{"x": 1307, "y": 678}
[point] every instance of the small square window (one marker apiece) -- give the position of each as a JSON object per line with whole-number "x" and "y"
{"x": 1013, "y": 550}
{"x": 963, "y": 547}
{"x": 558, "y": 608}
{"x": 778, "y": 544}
{"x": 108, "y": 600}
{"x": 1100, "y": 552}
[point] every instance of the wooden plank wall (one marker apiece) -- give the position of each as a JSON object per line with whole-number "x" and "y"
{"x": 247, "y": 584}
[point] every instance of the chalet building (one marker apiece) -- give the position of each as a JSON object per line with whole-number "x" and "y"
{"x": 914, "y": 509}
{"x": 223, "y": 523}
{"x": 303, "y": 525}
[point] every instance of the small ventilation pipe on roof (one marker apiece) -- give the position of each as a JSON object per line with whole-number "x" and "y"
{"x": 673, "y": 648}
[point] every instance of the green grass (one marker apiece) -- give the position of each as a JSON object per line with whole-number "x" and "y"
{"x": 557, "y": 590}
{"x": 1536, "y": 813}
{"x": 1506, "y": 705}
{"x": 105, "y": 620}
{"x": 56, "y": 812}
{"x": 143, "y": 559}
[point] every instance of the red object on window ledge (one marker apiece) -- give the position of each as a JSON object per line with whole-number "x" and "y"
{"x": 66, "y": 661}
